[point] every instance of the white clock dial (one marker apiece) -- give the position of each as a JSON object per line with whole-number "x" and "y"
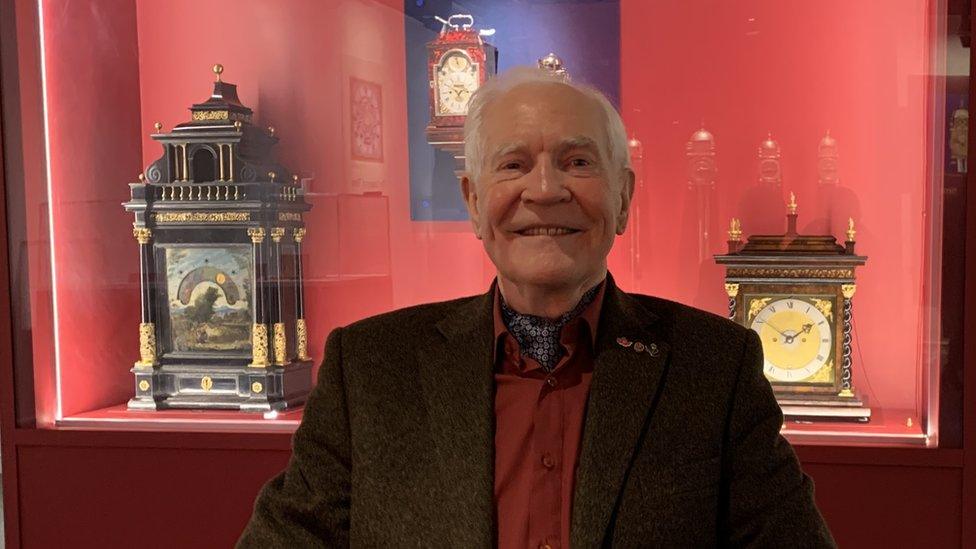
{"x": 796, "y": 338}
{"x": 456, "y": 80}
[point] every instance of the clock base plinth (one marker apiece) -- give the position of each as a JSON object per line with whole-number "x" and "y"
{"x": 200, "y": 387}
{"x": 450, "y": 141}
{"x": 834, "y": 409}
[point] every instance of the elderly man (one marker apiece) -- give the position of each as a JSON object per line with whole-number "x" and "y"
{"x": 554, "y": 410}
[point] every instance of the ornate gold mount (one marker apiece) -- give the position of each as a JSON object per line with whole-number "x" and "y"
{"x": 259, "y": 346}
{"x": 147, "y": 345}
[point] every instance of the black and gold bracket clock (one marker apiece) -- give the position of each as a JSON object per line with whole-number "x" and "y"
{"x": 218, "y": 222}
{"x": 796, "y": 291}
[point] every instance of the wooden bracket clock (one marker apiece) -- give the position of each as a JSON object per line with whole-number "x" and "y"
{"x": 459, "y": 61}
{"x": 219, "y": 226}
{"x": 796, "y": 291}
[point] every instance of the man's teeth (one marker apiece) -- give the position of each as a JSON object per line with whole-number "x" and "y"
{"x": 548, "y": 231}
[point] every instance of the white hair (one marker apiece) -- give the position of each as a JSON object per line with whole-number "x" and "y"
{"x": 498, "y": 86}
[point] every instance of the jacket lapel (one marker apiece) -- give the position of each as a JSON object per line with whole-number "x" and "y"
{"x": 627, "y": 376}
{"x": 458, "y": 386}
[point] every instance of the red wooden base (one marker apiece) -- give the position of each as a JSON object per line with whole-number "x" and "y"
{"x": 110, "y": 488}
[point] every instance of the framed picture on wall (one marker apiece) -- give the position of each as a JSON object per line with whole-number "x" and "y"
{"x": 366, "y": 109}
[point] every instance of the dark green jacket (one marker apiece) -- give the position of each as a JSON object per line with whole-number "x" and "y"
{"x": 681, "y": 449}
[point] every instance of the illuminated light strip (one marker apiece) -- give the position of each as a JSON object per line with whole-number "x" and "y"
{"x": 266, "y": 424}
{"x": 802, "y": 435}
{"x": 58, "y": 414}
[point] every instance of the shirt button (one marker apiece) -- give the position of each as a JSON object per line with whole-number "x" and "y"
{"x": 545, "y": 546}
{"x": 551, "y": 381}
{"x": 547, "y": 461}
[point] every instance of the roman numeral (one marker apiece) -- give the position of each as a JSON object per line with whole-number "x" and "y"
{"x": 789, "y": 304}
{"x": 820, "y": 357}
{"x": 820, "y": 323}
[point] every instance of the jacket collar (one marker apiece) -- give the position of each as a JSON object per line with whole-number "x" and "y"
{"x": 456, "y": 374}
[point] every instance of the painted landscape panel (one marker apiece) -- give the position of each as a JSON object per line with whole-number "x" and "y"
{"x": 209, "y": 298}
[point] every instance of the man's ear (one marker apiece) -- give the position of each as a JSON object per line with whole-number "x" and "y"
{"x": 470, "y": 196}
{"x": 626, "y": 195}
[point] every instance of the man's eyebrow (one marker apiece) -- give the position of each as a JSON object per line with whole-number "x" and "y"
{"x": 577, "y": 142}
{"x": 508, "y": 148}
{"x": 569, "y": 143}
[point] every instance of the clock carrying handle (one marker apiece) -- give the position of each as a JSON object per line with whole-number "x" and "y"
{"x": 470, "y": 18}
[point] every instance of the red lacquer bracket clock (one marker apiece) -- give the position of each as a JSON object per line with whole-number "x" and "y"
{"x": 459, "y": 61}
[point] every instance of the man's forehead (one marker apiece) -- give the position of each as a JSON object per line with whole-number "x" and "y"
{"x": 544, "y": 113}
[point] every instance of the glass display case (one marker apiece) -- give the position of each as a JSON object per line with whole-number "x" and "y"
{"x": 806, "y": 155}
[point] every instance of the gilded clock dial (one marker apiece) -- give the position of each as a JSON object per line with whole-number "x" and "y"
{"x": 456, "y": 80}
{"x": 796, "y": 336}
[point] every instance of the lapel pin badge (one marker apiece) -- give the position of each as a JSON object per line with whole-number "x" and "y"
{"x": 638, "y": 346}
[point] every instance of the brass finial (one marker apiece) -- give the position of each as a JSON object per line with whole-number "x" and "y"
{"x": 271, "y": 130}
{"x": 142, "y": 178}
{"x": 294, "y": 178}
{"x": 272, "y": 176}
{"x": 850, "y": 229}
{"x": 218, "y": 69}
{"x": 237, "y": 125}
{"x": 735, "y": 230}
{"x": 792, "y": 203}
{"x": 158, "y": 126}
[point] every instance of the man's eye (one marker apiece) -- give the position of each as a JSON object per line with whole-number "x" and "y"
{"x": 511, "y": 166}
{"x": 580, "y": 163}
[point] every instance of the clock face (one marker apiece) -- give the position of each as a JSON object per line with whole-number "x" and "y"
{"x": 796, "y": 333}
{"x": 769, "y": 168}
{"x": 455, "y": 80}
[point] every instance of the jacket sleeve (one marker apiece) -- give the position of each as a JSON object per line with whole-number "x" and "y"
{"x": 307, "y": 505}
{"x": 769, "y": 499}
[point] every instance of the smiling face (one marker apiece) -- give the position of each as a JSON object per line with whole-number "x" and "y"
{"x": 547, "y": 203}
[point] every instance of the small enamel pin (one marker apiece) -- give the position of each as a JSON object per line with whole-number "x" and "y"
{"x": 638, "y": 346}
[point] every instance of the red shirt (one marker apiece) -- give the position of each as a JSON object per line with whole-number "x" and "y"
{"x": 538, "y": 426}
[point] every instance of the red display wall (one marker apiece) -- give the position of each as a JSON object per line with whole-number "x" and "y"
{"x": 144, "y": 61}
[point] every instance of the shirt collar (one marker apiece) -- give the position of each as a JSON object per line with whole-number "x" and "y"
{"x": 590, "y": 315}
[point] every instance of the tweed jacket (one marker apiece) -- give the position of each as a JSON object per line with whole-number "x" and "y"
{"x": 681, "y": 444}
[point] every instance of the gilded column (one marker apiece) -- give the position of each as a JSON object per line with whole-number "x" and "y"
{"x": 846, "y": 387}
{"x": 259, "y": 328}
{"x": 301, "y": 330}
{"x": 280, "y": 340}
{"x": 733, "y": 291}
{"x": 147, "y": 325}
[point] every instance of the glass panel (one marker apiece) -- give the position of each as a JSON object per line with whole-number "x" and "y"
{"x": 800, "y": 168}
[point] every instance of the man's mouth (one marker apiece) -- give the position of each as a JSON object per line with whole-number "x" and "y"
{"x": 547, "y": 231}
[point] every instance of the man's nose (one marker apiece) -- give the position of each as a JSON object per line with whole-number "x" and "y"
{"x": 545, "y": 184}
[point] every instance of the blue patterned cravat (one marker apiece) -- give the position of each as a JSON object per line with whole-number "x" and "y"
{"x": 538, "y": 337}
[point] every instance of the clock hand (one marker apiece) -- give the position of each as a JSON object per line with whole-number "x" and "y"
{"x": 806, "y": 330}
{"x": 780, "y": 332}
